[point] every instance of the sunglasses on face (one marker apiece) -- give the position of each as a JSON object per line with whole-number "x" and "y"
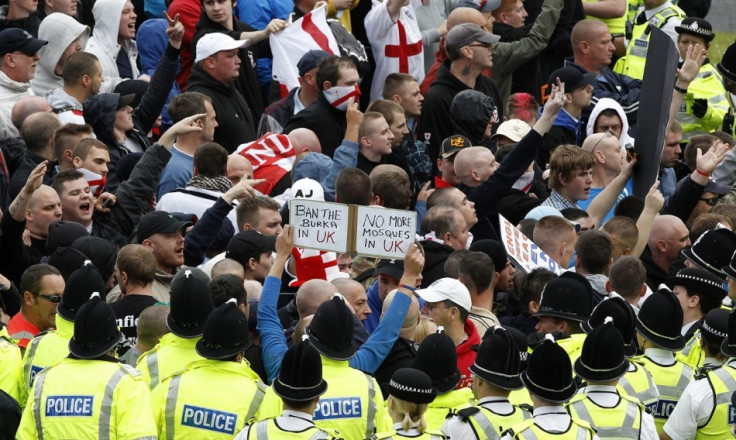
{"x": 56, "y": 299}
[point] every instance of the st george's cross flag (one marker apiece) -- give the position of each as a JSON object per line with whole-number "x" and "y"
{"x": 311, "y": 32}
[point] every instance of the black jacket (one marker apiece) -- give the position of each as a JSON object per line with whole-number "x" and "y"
{"x": 15, "y": 257}
{"x": 99, "y": 112}
{"x": 655, "y": 274}
{"x": 434, "y": 125}
{"x": 247, "y": 82}
{"x": 435, "y": 255}
{"x": 402, "y": 355}
{"x": 283, "y": 109}
{"x": 20, "y": 176}
{"x": 234, "y": 118}
{"x": 327, "y": 122}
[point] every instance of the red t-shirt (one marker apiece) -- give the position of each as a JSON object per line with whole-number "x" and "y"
{"x": 21, "y": 330}
{"x": 466, "y": 355}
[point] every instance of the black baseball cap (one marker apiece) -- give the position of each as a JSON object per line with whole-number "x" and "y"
{"x": 310, "y": 60}
{"x": 18, "y": 40}
{"x": 573, "y": 78}
{"x": 249, "y": 244}
{"x": 159, "y": 222}
{"x": 453, "y": 144}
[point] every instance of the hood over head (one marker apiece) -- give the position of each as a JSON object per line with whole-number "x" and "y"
{"x": 604, "y": 104}
{"x": 470, "y": 112}
{"x": 99, "y": 112}
{"x": 60, "y": 30}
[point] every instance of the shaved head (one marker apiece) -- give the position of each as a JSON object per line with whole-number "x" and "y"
{"x": 312, "y": 294}
{"x": 409, "y": 327}
{"x": 27, "y": 106}
{"x": 465, "y": 15}
{"x": 585, "y": 30}
{"x": 304, "y": 140}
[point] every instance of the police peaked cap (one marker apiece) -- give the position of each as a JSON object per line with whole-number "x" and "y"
{"x": 568, "y": 296}
{"x": 191, "y": 302}
{"x": 412, "y": 385}
{"x": 699, "y": 281}
{"x": 602, "y": 358}
{"x": 225, "y": 332}
{"x": 660, "y": 320}
{"x": 712, "y": 251}
{"x": 548, "y": 372}
{"x": 95, "y": 330}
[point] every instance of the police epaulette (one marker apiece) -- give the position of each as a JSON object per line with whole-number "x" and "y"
{"x": 702, "y": 372}
{"x": 465, "y": 413}
{"x": 510, "y": 432}
{"x": 526, "y": 406}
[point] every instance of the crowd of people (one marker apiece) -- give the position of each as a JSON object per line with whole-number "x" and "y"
{"x": 150, "y": 285}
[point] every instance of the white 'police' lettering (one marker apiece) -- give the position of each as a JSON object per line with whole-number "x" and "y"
{"x": 69, "y": 406}
{"x": 210, "y": 419}
{"x": 662, "y": 409}
{"x": 339, "y": 408}
{"x": 34, "y": 371}
{"x": 731, "y": 414}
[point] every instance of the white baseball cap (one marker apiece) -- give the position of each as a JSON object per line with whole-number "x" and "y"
{"x": 215, "y": 42}
{"x": 307, "y": 189}
{"x": 447, "y": 289}
{"x": 514, "y": 129}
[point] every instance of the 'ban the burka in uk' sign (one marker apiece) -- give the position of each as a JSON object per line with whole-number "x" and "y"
{"x": 366, "y": 230}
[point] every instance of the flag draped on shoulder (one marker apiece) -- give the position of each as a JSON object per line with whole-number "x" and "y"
{"x": 311, "y": 32}
{"x": 272, "y": 156}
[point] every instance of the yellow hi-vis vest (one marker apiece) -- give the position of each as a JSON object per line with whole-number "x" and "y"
{"x": 722, "y": 381}
{"x": 171, "y": 354}
{"x": 707, "y": 85}
{"x": 11, "y": 371}
{"x": 352, "y": 404}
{"x": 692, "y": 354}
{"x": 453, "y": 400}
{"x": 208, "y": 399}
{"x": 487, "y": 425}
{"x": 88, "y": 399}
{"x": 268, "y": 429}
{"x": 671, "y": 381}
{"x": 527, "y": 430}
{"x": 621, "y": 422}
{"x": 617, "y": 25}
{"x": 636, "y": 52}
{"x": 45, "y": 350}
{"x": 638, "y": 383}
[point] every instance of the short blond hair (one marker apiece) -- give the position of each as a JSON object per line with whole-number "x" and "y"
{"x": 565, "y": 161}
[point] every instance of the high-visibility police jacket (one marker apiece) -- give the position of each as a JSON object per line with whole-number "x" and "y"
{"x": 576, "y": 430}
{"x": 692, "y": 354}
{"x": 622, "y": 421}
{"x": 208, "y": 399}
{"x": 171, "y": 354}
{"x": 45, "y": 350}
{"x": 290, "y": 426}
{"x": 352, "y": 404}
{"x": 722, "y": 382}
{"x": 617, "y": 25}
{"x": 707, "y": 85}
{"x": 638, "y": 383}
{"x": 520, "y": 397}
{"x": 11, "y": 368}
{"x": 481, "y": 422}
{"x": 636, "y": 52}
{"x": 573, "y": 345}
{"x": 671, "y": 379}
{"x": 88, "y": 399}
{"x": 443, "y": 404}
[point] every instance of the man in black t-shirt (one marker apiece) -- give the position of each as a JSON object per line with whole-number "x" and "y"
{"x": 135, "y": 270}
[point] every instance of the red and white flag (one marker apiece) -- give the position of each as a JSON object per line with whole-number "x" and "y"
{"x": 272, "y": 156}
{"x": 311, "y": 32}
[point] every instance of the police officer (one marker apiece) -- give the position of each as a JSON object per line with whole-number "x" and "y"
{"x": 353, "y": 404}
{"x": 50, "y": 347}
{"x": 89, "y": 395}
{"x": 437, "y": 357}
{"x": 566, "y": 302}
{"x": 704, "y": 410}
{"x": 191, "y": 304}
{"x": 496, "y": 370}
{"x": 299, "y": 386}
{"x": 11, "y": 377}
{"x": 727, "y": 69}
{"x": 661, "y": 14}
{"x": 410, "y": 391}
{"x": 705, "y": 102}
{"x": 548, "y": 378}
{"x": 658, "y": 325}
{"x": 601, "y": 364}
{"x": 214, "y": 397}
{"x": 711, "y": 251}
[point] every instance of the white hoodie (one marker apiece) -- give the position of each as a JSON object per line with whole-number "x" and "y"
{"x": 10, "y": 92}
{"x": 104, "y": 42}
{"x": 604, "y": 104}
{"x": 60, "y": 30}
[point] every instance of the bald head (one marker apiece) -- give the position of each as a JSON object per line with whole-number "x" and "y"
{"x": 668, "y": 237}
{"x": 355, "y": 294}
{"x": 663, "y": 226}
{"x": 408, "y": 328}
{"x": 27, "y": 106}
{"x": 304, "y": 140}
{"x": 474, "y": 165}
{"x": 152, "y": 325}
{"x": 586, "y": 30}
{"x": 228, "y": 266}
{"x": 238, "y": 167}
{"x": 465, "y": 15}
{"x": 312, "y": 294}
{"x": 253, "y": 289}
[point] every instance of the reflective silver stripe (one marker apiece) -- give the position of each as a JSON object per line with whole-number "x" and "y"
{"x": 485, "y": 425}
{"x": 582, "y": 433}
{"x": 152, "y": 363}
{"x": 527, "y": 434}
{"x": 171, "y": 398}
{"x": 648, "y": 396}
{"x": 256, "y": 402}
{"x": 22, "y": 335}
{"x": 730, "y": 384}
{"x": 106, "y": 407}
{"x": 320, "y": 435}
{"x": 37, "y": 390}
{"x": 437, "y": 437}
{"x": 29, "y": 360}
{"x": 639, "y": 51}
{"x": 262, "y": 430}
{"x": 676, "y": 391}
{"x": 371, "y": 425}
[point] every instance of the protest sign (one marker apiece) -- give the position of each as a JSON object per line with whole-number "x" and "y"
{"x": 319, "y": 225}
{"x": 385, "y": 233}
{"x": 523, "y": 251}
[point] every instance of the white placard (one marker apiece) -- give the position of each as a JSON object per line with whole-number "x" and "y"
{"x": 384, "y": 233}
{"x": 523, "y": 251}
{"x": 320, "y": 225}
